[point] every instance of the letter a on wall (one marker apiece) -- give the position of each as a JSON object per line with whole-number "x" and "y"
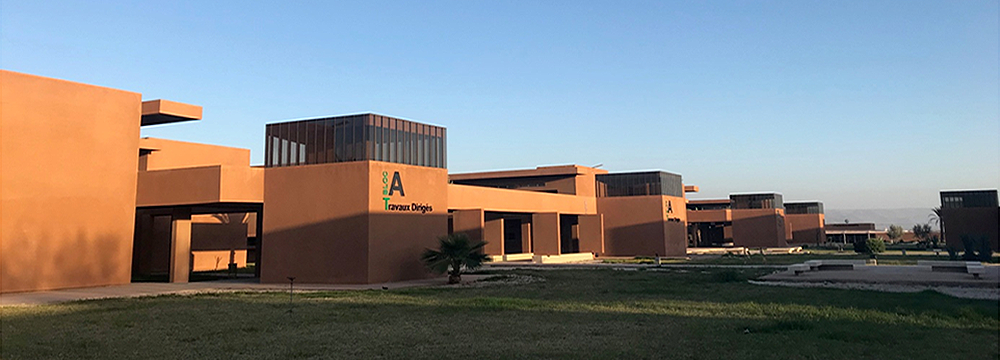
{"x": 397, "y": 184}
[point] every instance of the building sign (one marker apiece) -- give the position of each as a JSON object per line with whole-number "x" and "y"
{"x": 392, "y": 191}
{"x": 669, "y": 211}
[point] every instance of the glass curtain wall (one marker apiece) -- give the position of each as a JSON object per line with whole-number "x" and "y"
{"x": 968, "y": 199}
{"x": 757, "y": 201}
{"x": 355, "y": 138}
{"x": 804, "y": 208}
{"x": 639, "y": 184}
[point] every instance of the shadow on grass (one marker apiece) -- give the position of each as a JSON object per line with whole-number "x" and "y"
{"x": 573, "y": 314}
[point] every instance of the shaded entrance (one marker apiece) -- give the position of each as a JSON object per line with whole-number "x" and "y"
{"x": 197, "y": 242}
{"x": 569, "y": 234}
{"x": 708, "y": 234}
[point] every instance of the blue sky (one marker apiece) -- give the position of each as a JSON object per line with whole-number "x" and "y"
{"x": 859, "y": 104}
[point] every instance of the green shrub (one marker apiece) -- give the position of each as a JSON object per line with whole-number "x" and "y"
{"x": 870, "y": 246}
{"x": 875, "y": 245}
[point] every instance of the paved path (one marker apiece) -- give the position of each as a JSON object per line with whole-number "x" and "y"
{"x": 896, "y": 275}
{"x": 514, "y": 265}
{"x": 153, "y": 289}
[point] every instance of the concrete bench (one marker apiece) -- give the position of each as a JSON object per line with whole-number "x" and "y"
{"x": 831, "y": 264}
{"x": 799, "y": 268}
{"x": 972, "y": 267}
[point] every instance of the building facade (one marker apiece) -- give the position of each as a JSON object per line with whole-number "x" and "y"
{"x": 805, "y": 220}
{"x": 971, "y": 214}
{"x": 343, "y": 199}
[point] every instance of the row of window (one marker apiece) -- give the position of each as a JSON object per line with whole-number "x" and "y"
{"x": 804, "y": 208}
{"x": 757, "y": 201}
{"x": 355, "y": 138}
{"x": 639, "y": 184}
{"x": 968, "y": 199}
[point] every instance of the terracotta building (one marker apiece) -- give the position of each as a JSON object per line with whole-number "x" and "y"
{"x": 84, "y": 201}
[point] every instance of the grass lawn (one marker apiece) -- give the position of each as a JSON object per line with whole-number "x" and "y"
{"x": 887, "y": 258}
{"x": 598, "y": 314}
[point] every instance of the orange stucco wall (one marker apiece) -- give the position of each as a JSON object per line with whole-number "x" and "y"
{"x": 315, "y": 224}
{"x": 470, "y": 222}
{"x": 638, "y": 225}
{"x": 328, "y": 223}
{"x": 545, "y": 234}
{"x": 759, "y": 228}
{"x": 493, "y": 236}
{"x": 504, "y": 200}
{"x": 69, "y": 154}
{"x": 806, "y": 228}
{"x": 398, "y": 238}
{"x": 592, "y": 234}
{"x": 172, "y": 154}
{"x": 718, "y": 215}
{"x": 200, "y": 185}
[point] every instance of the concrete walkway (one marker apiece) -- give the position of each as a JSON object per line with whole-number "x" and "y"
{"x": 895, "y": 275}
{"x": 154, "y": 289}
{"x": 516, "y": 265}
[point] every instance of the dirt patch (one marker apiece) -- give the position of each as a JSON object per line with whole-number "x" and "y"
{"x": 504, "y": 280}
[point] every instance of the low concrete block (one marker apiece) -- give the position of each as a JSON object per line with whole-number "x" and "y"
{"x": 519, "y": 257}
{"x": 564, "y": 258}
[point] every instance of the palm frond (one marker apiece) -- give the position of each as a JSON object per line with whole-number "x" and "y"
{"x": 455, "y": 251}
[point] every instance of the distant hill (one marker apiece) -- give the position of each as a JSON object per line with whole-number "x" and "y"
{"x": 882, "y": 218}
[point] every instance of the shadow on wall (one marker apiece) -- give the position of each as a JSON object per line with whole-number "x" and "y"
{"x": 664, "y": 238}
{"x": 368, "y": 248}
{"x": 808, "y": 236}
{"x": 47, "y": 262}
{"x": 759, "y": 231}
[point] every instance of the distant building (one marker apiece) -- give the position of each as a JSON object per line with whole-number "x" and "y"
{"x": 759, "y": 220}
{"x": 849, "y": 233}
{"x": 745, "y": 220}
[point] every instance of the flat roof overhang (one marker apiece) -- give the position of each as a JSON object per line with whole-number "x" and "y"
{"x": 557, "y": 170}
{"x": 708, "y": 201}
{"x": 156, "y": 112}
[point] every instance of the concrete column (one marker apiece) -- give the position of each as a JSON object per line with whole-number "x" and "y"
{"x": 259, "y": 226}
{"x": 180, "y": 246}
{"x": 545, "y": 234}
{"x": 592, "y": 234}
{"x": 469, "y": 222}
{"x": 526, "y": 237}
{"x": 493, "y": 235}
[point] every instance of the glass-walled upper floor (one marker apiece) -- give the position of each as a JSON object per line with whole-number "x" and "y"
{"x": 639, "y": 184}
{"x": 696, "y": 205}
{"x": 355, "y": 138}
{"x": 804, "y": 208}
{"x": 968, "y": 199}
{"x": 757, "y": 201}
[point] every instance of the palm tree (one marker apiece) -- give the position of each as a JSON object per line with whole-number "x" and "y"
{"x": 938, "y": 219}
{"x": 455, "y": 251}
